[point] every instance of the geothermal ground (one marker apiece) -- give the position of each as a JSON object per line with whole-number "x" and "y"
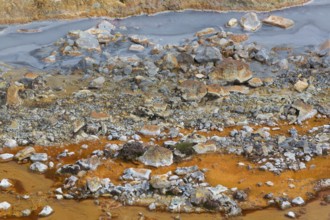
{"x": 178, "y": 115}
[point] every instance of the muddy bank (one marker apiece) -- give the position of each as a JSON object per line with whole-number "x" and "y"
{"x": 31, "y": 10}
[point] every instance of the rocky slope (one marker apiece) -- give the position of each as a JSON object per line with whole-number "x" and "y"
{"x": 28, "y": 10}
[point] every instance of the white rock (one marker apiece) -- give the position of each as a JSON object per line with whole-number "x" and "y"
{"x": 298, "y": 201}
{"x": 5, "y": 183}
{"x": 291, "y": 214}
{"x": 46, "y": 211}
{"x": 39, "y": 167}
{"x": 4, "y": 206}
{"x": 10, "y": 143}
{"x": 250, "y": 22}
{"x": 136, "y": 48}
{"x": 26, "y": 212}
{"x": 269, "y": 183}
{"x": 232, "y": 22}
{"x": 6, "y": 157}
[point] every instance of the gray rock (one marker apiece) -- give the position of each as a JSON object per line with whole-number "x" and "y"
{"x": 285, "y": 205}
{"x": 136, "y": 173}
{"x": 39, "y": 157}
{"x": 6, "y": 157}
{"x": 185, "y": 170}
{"x": 26, "y": 212}
{"x": 207, "y": 54}
{"x": 291, "y": 214}
{"x": 39, "y": 167}
{"x": 87, "y": 41}
{"x": 97, "y": 83}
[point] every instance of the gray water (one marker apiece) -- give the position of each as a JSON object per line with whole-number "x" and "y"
{"x": 312, "y": 27}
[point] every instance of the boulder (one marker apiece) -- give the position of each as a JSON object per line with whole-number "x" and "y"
{"x": 157, "y": 156}
{"x": 193, "y": 90}
{"x": 250, "y": 22}
{"x": 205, "y": 54}
{"x": 231, "y": 71}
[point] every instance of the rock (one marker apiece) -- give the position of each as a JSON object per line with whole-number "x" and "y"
{"x": 231, "y": 70}
{"x": 291, "y": 214}
{"x": 152, "y": 206}
{"x": 199, "y": 196}
{"x": 4, "y": 205}
{"x": 207, "y": 54}
{"x": 250, "y": 22}
{"x": 139, "y": 40}
{"x": 26, "y": 212}
{"x": 136, "y": 48}
{"x": 89, "y": 163}
{"x": 39, "y": 157}
{"x": 10, "y": 143}
{"x": 262, "y": 55}
{"x": 25, "y": 153}
{"x": 170, "y": 62}
{"x": 150, "y": 130}
{"x": 237, "y": 89}
{"x": 301, "y": 86}
{"x": 278, "y": 21}
{"x": 46, "y": 211}
{"x": 87, "y": 41}
{"x": 269, "y": 183}
{"x": 305, "y": 111}
{"x": 216, "y": 90}
{"x": 39, "y": 167}
{"x": 136, "y": 173}
{"x": 203, "y": 148}
{"x": 105, "y": 25}
{"x": 97, "y": 83}
{"x": 157, "y": 156}
{"x": 298, "y": 201}
{"x": 232, "y": 22}
{"x": 255, "y": 82}
{"x": 6, "y": 157}
{"x": 94, "y": 184}
{"x": 193, "y": 90}
{"x": 131, "y": 151}
{"x": 185, "y": 170}
{"x": 240, "y": 195}
{"x": 4, "y": 183}
{"x": 285, "y": 205}
{"x": 160, "y": 181}
{"x": 13, "y": 98}
{"x": 206, "y": 31}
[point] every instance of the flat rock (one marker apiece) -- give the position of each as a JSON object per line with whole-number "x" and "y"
{"x": 216, "y": 90}
{"x": 231, "y": 71}
{"x": 136, "y": 48}
{"x": 203, "y": 148}
{"x": 193, "y": 90}
{"x": 138, "y": 39}
{"x": 255, "y": 82}
{"x": 25, "y": 153}
{"x": 39, "y": 157}
{"x": 238, "y": 89}
{"x": 150, "y": 130}
{"x": 250, "y": 22}
{"x": 206, "y": 31}
{"x": 278, "y": 21}
{"x": 136, "y": 173}
{"x": 157, "y": 156}
{"x": 6, "y": 157}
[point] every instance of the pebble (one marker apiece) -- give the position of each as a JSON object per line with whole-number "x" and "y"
{"x": 269, "y": 183}
{"x": 46, "y": 211}
{"x": 39, "y": 167}
{"x": 291, "y": 214}
{"x": 4, "y": 205}
{"x": 6, "y": 157}
{"x": 298, "y": 201}
{"x": 5, "y": 183}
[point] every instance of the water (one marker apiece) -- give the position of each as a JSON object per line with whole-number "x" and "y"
{"x": 311, "y": 28}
